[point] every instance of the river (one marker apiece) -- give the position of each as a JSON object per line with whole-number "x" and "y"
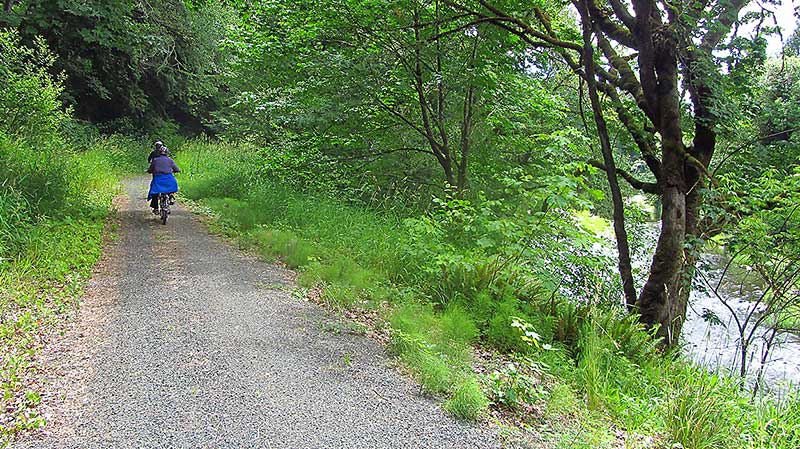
{"x": 714, "y": 342}
{"x": 710, "y": 335}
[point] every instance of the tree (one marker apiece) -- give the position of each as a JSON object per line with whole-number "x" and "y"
{"x": 764, "y": 247}
{"x": 374, "y": 81}
{"x": 130, "y": 60}
{"x": 650, "y": 52}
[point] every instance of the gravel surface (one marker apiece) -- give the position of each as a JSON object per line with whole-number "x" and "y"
{"x": 184, "y": 342}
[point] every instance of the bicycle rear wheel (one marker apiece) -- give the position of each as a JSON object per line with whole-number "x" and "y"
{"x": 163, "y": 201}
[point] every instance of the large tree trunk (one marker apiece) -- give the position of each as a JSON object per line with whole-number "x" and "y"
{"x": 659, "y": 303}
{"x": 656, "y": 301}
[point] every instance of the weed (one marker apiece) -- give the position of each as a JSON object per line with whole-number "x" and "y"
{"x": 343, "y": 327}
{"x": 457, "y": 325}
{"x": 516, "y": 385}
{"x": 562, "y": 400}
{"x": 347, "y": 360}
{"x": 697, "y": 416}
{"x": 468, "y": 401}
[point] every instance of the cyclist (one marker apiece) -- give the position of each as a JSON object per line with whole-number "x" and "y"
{"x": 156, "y": 152}
{"x": 162, "y": 167}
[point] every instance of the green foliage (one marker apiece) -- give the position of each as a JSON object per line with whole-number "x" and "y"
{"x": 780, "y": 103}
{"x": 446, "y": 291}
{"x": 58, "y": 180}
{"x": 698, "y": 415}
{"x": 285, "y": 244}
{"x": 29, "y": 100}
{"x": 131, "y": 63}
{"x": 562, "y": 400}
{"x": 517, "y": 385}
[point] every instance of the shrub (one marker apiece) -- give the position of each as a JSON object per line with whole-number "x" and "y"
{"x": 29, "y": 100}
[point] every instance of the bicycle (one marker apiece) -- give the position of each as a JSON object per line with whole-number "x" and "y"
{"x": 163, "y": 204}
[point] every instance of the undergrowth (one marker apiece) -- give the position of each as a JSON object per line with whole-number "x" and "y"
{"x": 583, "y": 373}
{"x": 47, "y": 251}
{"x": 57, "y": 181}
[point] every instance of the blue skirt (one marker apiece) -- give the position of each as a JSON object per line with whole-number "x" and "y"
{"x": 163, "y": 184}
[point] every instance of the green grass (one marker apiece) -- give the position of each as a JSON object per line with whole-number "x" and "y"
{"x": 468, "y": 401}
{"x": 601, "y": 374}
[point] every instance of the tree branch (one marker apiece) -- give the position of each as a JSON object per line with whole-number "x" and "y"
{"x": 609, "y": 27}
{"x": 647, "y": 187}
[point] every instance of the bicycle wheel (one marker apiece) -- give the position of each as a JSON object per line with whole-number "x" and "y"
{"x": 164, "y": 204}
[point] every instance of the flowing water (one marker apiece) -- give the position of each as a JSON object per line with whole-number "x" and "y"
{"x": 710, "y": 333}
{"x": 715, "y": 342}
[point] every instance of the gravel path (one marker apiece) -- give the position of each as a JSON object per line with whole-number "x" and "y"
{"x": 184, "y": 342}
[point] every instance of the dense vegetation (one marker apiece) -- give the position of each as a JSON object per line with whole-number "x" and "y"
{"x": 448, "y": 170}
{"x": 58, "y": 180}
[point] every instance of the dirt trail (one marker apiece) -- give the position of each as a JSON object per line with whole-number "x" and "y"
{"x": 184, "y": 342}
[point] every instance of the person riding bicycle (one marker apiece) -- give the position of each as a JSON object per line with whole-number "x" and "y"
{"x": 162, "y": 167}
{"x": 156, "y": 152}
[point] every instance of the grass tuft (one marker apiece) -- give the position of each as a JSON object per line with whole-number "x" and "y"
{"x": 468, "y": 401}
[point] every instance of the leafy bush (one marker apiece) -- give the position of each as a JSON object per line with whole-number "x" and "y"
{"x": 29, "y": 99}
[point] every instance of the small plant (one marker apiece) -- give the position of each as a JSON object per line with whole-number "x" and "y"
{"x": 697, "y": 416}
{"x": 347, "y": 360}
{"x": 344, "y": 327}
{"x": 339, "y": 296}
{"x": 468, "y": 401}
{"x": 562, "y": 400}
{"x": 528, "y": 334}
{"x": 517, "y": 385}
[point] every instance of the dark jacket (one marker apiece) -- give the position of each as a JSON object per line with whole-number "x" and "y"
{"x": 163, "y": 165}
{"x": 154, "y": 154}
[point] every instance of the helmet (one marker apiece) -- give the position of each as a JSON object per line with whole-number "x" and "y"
{"x": 159, "y": 144}
{"x": 163, "y": 150}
